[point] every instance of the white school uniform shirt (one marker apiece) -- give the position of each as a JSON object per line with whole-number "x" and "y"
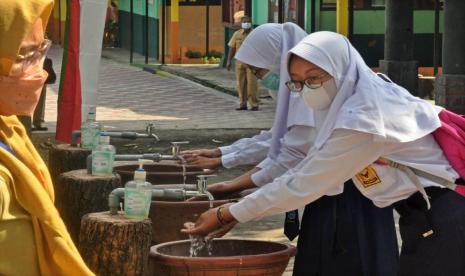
{"x": 294, "y": 146}
{"x": 345, "y": 155}
{"x": 246, "y": 151}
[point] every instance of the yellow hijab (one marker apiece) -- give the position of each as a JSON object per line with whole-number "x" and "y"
{"x": 17, "y": 17}
{"x": 26, "y": 173}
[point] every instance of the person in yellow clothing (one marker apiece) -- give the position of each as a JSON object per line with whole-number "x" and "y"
{"x": 246, "y": 80}
{"x": 33, "y": 238}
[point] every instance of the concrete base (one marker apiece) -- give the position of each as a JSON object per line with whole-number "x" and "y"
{"x": 404, "y": 73}
{"x": 450, "y": 92}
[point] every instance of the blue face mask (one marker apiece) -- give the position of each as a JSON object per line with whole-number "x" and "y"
{"x": 270, "y": 80}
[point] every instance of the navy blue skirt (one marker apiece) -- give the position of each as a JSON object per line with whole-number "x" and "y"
{"x": 347, "y": 235}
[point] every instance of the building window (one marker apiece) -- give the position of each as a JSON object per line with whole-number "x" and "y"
{"x": 280, "y": 11}
{"x": 328, "y": 4}
{"x": 378, "y": 3}
{"x": 418, "y": 4}
{"x": 273, "y": 11}
{"x": 358, "y": 4}
{"x": 290, "y": 11}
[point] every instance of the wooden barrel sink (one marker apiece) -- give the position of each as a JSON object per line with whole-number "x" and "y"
{"x": 162, "y": 173}
{"x": 229, "y": 257}
{"x": 168, "y": 217}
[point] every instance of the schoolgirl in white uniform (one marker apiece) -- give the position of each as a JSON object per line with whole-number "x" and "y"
{"x": 341, "y": 234}
{"x": 365, "y": 118}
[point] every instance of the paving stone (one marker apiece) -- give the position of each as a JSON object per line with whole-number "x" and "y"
{"x": 129, "y": 98}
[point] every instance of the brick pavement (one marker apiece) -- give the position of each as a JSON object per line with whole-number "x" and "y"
{"x": 129, "y": 98}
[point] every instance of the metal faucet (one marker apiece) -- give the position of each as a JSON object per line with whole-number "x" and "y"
{"x": 149, "y": 129}
{"x": 117, "y": 195}
{"x": 201, "y": 187}
{"x": 155, "y": 157}
{"x": 175, "y": 146}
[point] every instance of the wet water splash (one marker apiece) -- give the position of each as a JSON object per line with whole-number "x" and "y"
{"x": 200, "y": 246}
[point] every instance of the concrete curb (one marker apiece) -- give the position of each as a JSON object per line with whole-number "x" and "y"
{"x": 192, "y": 78}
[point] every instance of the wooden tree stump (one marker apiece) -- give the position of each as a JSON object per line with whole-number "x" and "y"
{"x": 81, "y": 193}
{"x": 115, "y": 245}
{"x": 64, "y": 158}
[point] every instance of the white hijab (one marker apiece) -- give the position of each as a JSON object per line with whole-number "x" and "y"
{"x": 267, "y": 47}
{"x": 364, "y": 102}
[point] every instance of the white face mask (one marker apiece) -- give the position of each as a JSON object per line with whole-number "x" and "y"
{"x": 273, "y": 94}
{"x": 322, "y": 97}
{"x": 246, "y": 25}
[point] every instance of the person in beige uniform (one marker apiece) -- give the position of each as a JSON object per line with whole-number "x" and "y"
{"x": 246, "y": 80}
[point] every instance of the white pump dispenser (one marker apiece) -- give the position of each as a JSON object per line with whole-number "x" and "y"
{"x": 138, "y": 194}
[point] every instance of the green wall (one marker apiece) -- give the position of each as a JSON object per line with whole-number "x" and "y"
{"x": 372, "y": 21}
{"x": 139, "y": 7}
{"x": 139, "y": 26}
{"x": 259, "y": 12}
{"x": 369, "y": 27}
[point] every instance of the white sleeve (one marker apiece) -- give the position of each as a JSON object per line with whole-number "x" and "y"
{"x": 265, "y": 163}
{"x": 344, "y": 154}
{"x": 245, "y": 142}
{"x": 295, "y": 145}
{"x": 250, "y": 155}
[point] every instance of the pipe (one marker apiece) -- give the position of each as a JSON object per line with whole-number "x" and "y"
{"x": 313, "y": 16}
{"x": 163, "y": 27}
{"x": 146, "y": 31}
{"x": 436, "y": 44}
{"x": 117, "y": 195}
{"x": 75, "y": 135}
{"x": 350, "y": 34}
{"x": 156, "y": 157}
{"x": 131, "y": 33}
{"x": 207, "y": 27}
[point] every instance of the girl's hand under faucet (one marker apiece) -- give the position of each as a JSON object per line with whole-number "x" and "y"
{"x": 208, "y": 224}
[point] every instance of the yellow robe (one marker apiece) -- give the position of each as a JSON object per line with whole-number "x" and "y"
{"x": 26, "y": 207}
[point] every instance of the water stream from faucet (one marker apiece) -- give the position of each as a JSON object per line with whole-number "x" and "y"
{"x": 210, "y": 199}
{"x": 184, "y": 169}
{"x": 200, "y": 246}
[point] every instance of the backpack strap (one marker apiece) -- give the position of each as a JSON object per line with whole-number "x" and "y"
{"x": 413, "y": 174}
{"x": 384, "y": 77}
{"x": 7, "y": 148}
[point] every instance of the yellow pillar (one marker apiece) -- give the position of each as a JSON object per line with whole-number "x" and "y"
{"x": 342, "y": 17}
{"x": 175, "y": 31}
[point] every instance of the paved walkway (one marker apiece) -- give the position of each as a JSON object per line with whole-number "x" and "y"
{"x": 130, "y": 97}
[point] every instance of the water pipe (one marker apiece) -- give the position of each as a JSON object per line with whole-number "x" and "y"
{"x": 75, "y": 135}
{"x": 117, "y": 195}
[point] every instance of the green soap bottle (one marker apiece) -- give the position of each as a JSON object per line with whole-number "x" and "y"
{"x": 90, "y": 131}
{"x": 103, "y": 157}
{"x": 138, "y": 194}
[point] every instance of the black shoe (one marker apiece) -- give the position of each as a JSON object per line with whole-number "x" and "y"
{"x": 242, "y": 108}
{"x": 255, "y": 108}
{"x": 39, "y": 128}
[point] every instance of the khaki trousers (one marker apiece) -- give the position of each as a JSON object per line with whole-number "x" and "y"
{"x": 246, "y": 85}
{"x": 39, "y": 112}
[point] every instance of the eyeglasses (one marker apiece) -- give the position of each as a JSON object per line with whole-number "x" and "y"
{"x": 312, "y": 83}
{"x": 26, "y": 60}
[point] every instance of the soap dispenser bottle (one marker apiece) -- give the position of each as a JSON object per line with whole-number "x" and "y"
{"x": 138, "y": 194}
{"x": 103, "y": 157}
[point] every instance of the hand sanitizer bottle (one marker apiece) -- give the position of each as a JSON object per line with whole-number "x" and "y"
{"x": 138, "y": 194}
{"x": 90, "y": 131}
{"x": 103, "y": 157}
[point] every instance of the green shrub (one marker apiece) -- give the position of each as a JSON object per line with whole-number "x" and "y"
{"x": 215, "y": 54}
{"x": 193, "y": 54}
